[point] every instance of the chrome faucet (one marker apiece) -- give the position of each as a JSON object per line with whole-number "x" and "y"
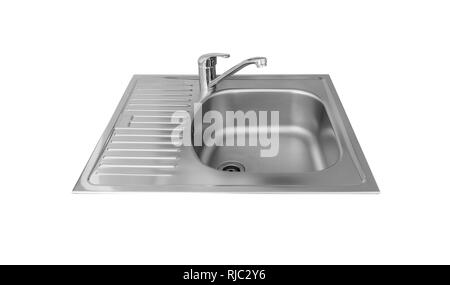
{"x": 207, "y": 70}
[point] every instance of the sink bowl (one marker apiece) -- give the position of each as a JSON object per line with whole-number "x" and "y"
{"x": 307, "y": 141}
{"x": 316, "y": 148}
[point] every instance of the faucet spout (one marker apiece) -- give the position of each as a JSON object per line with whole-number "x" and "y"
{"x": 207, "y": 71}
{"x": 258, "y": 61}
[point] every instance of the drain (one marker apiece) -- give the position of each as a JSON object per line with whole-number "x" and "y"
{"x": 231, "y": 166}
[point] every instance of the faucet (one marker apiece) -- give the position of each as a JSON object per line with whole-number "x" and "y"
{"x": 207, "y": 70}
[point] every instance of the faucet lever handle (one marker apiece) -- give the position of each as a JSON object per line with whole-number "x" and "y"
{"x": 210, "y": 59}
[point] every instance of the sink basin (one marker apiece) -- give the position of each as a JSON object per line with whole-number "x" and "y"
{"x": 316, "y": 148}
{"x": 307, "y": 141}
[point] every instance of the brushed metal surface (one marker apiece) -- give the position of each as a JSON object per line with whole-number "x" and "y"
{"x": 318, "y": 150}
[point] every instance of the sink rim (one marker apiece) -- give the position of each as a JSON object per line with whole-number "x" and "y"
{"x": 265, "y": 90}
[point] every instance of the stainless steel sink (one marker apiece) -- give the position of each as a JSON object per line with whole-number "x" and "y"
{"x": 318, "y": 151}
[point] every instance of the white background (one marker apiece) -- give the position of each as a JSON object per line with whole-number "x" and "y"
{"x": 65, "y": 65}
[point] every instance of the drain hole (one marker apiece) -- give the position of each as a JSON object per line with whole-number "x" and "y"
{"x": 231, "y": 167}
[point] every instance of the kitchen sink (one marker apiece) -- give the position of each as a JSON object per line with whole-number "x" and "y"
{"x": 318, "y": 150}
{"x": 228, "y": 133}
